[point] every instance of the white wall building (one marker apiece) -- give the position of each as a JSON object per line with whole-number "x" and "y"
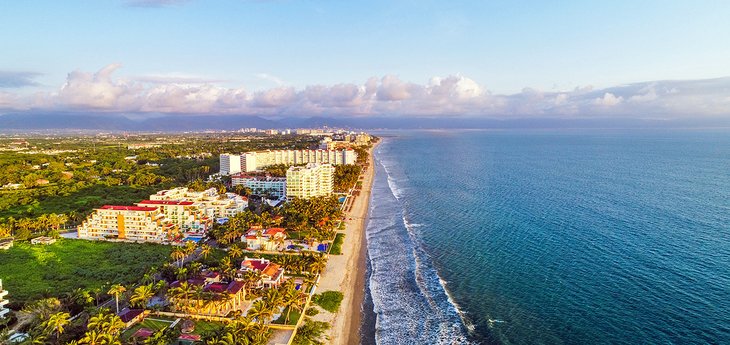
{"x": 4, "y": 311}
{"x": 230, "y": 164}
{"x": 252, "y": 161}
{"x": 275, "y": 186}
{"x": 310, "y": 181}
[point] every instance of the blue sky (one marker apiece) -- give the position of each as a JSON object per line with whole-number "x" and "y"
{"x": 275, "y": 50}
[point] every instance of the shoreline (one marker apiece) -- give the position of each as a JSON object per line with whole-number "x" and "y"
{"x": 346, "y": 272}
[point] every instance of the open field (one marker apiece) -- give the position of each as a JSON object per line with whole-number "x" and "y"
{"x": 30, "y": 271}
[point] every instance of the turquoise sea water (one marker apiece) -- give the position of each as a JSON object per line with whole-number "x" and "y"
{"x": 560, "y": 237}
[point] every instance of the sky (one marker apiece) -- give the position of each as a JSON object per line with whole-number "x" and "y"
{"x": 655, "y": 59}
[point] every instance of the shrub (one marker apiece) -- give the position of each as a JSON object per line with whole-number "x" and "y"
{"x": 329, "y": 300}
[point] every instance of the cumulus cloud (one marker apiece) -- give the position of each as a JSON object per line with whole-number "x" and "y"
{"x": 9, "y": 79}
{"x": 608, "y": 100}
{"x": 456, "y": 95}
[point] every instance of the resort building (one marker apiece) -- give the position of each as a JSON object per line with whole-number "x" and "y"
{"x": 230, "y": 164}
{"x": 4, "y": 311}
{"x": 252, "y": 161}
{"x": 209, "y": 202}
{"x": 186, "y": 215}
{"x": 310, "y": 181}
{"x": 274, "y": 186}
{"x": 270, "y": 239}
{"x": 271, "y": 273}
{"x": 132, "y": 223}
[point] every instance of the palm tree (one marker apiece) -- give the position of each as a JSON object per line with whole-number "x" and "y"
{"x": 105, "y": 323}
{"x": 182, "y": 292}
{"x": 178, "y": 255}
{"x": 116, "y": 290}
{"x": 96, "y": 338}
{"x": 260, "y": 311}
{"x": 292, "y": 300}
{"x": 181, "y": 273}
{"x": 56, "y": 323}
{"x": 205, "y": 250}
{"x": 235, "y": 251}
{"x": 141, "y": 296}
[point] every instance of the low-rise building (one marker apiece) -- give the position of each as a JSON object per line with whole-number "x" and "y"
{"x": 310, "y": 181}
{"x": 274, "y": 186}
{"x": 4, "y": 311}
{"x": 6, "y": 243}
{"x": 43, "y": 240}
{"x": 132, "y": 223}
{"x": 271, "y": 239}
{"x": 271, "y": 274}
{"x": 217, "y": 298}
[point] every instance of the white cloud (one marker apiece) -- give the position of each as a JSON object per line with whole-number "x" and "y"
{"x": 608, "y": 100}
{"x": 389, "y": 95}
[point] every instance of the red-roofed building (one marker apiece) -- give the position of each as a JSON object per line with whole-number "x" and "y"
{"x": 271, "y": 273}
{"x": 131, "y": 316}
{"x": 187, "y": 215}
{"x": 218, "y": 298}
{"x": 271, "y": 239}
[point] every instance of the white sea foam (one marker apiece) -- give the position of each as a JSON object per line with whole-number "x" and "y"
{"x": 410, "y": 300}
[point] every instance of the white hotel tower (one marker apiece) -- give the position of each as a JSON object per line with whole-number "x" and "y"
{"x": 252, "y": 161}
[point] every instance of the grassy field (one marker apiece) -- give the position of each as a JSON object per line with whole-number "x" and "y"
{"x": 31, "y": 271}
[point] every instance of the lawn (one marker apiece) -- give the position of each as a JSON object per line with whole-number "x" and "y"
{"x": 337, "y": 245}
{"x": 31, "y": 271}
{"x": 293, "y": 317}
{"x": 329, "y": 300}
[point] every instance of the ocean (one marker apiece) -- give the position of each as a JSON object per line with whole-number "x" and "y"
{"x": 549, "y": 237}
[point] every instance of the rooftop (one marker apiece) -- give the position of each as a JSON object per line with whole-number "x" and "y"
{"x": 127, "y": 208}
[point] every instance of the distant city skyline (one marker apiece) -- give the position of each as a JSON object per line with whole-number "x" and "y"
{"x": 651, "y": 59}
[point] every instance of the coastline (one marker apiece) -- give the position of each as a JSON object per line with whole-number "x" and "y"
{"x": 346, "y": 272}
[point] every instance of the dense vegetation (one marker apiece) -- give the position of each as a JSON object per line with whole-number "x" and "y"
{"x": 32, "y": 271}
{"x": 74, "y": 175}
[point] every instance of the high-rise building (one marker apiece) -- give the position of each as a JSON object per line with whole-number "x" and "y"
{"x": 230, "y": 164}
{"x": 274, "y": 186}
{"x": 252, "y": 161}
{"x": 4, "y": 311}
{"x": 310, "y": 181}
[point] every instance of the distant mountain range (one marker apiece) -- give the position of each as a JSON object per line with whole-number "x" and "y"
{"x": 180, "y": 123}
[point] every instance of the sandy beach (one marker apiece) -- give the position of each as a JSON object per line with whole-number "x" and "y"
{"x": 346, "y": 272}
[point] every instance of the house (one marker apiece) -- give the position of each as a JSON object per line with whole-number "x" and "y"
{"x": 131, "y": 316}
{"x": 271, "y": 273}
{"x": 43, "y": 240}
{"x": 270, "y": 239}
{"x": 217, "y": 298}
{"x": 6, "y": 243}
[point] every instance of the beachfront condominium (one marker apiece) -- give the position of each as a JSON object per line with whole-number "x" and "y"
{"x": 252, "y": 161}
{"x": 274, "y": 186}
{"x": 131, "y": 223}
{"x": 309, "y": 181}
{"x": 209, "y": 202}
{"x": 230, "y": 164}
{"x": 186, "y": 215}
{"x": 4, "y": 311}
